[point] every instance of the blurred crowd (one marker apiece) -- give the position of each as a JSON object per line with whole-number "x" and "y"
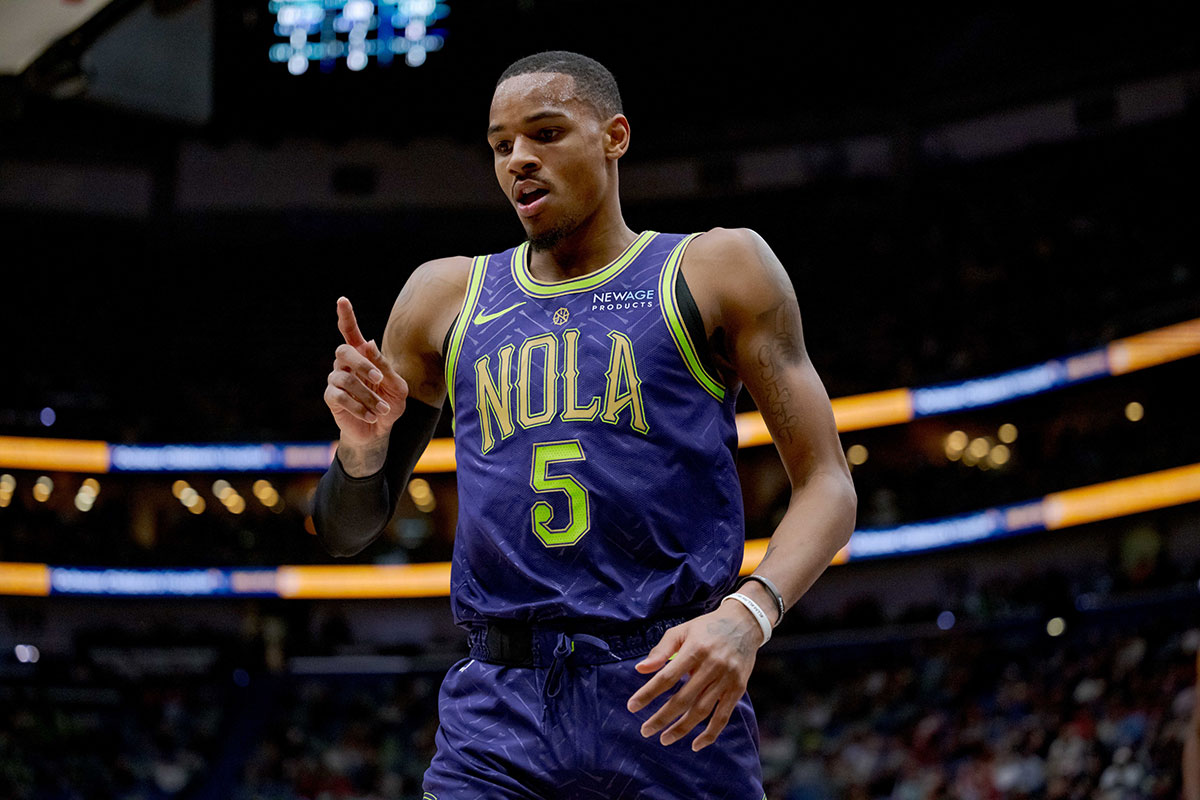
{"x": 345, "y": 738}
{"x": 80, "y": 741}
{"x": 1007, "y": 701}
{"x": 1097, "y": 713}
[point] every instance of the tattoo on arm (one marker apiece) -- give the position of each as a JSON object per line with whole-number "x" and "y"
{"x": 784, "y": 322}
{"x": 723, "y": 627}
{"x": 365, "y": 460}
{"x": 767, "y": 555}
{"x": 784, "y": 348}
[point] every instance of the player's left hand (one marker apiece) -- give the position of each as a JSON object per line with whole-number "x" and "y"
{"x": 716, "y": 652}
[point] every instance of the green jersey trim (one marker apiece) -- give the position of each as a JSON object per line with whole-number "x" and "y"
{"x": 474, "y": 286}
{"x": 535, "y": 288}
{"x": 679, "y": 332}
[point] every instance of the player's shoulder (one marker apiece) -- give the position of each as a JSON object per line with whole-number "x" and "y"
{"x": 444, "y": 273}
{"x": 721, "y": 245}
{"x": 725, "y": 256}
{"x": 733, "y": 272}
{"x": 429, "y": 300}
{"x": 436, "y": 283}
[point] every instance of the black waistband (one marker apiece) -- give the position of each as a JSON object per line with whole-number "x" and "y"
{"x": 517, "y": 644}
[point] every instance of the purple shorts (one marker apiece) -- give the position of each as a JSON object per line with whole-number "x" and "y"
{"x": 562, "y": 731}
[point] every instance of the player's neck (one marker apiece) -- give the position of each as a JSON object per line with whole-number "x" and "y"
{"x": 591, "y": 246}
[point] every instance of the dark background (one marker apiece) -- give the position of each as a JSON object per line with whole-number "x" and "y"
{"x": 955, "y": 190}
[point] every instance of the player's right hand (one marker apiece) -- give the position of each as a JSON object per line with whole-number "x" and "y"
{"x": 364, "y": 393}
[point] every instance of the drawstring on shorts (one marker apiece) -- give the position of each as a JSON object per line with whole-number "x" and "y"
{"x": 563, "y": 648}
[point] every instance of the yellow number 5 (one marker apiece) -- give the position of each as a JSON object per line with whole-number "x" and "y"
{"x": 542, "y": 514}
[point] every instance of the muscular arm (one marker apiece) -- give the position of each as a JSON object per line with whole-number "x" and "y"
{"x": 751, "y": 298}
{"x": 742, "y": 291}
{"x": 386, "y": 404}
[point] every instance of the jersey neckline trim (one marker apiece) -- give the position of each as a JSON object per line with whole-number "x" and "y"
{"x": 535, "y": 288}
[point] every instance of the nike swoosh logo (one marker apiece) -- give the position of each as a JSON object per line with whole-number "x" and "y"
{"x": 481, "y": 317}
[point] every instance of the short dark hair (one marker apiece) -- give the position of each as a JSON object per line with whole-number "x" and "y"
{"x": 594, "y": 84}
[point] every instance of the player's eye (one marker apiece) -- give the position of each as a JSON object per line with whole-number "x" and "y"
{"x": 502, "y": 147}
{"x": 548, "y": 134}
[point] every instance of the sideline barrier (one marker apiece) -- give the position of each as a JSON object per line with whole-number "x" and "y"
{"x": 857, "y": 412}
{"x": 1057, "y": 510}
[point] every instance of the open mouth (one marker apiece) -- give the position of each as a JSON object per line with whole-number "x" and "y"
{"x": 529, "y": 197}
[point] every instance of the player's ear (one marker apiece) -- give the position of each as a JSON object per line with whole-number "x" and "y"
{"x": 616, "y": 137}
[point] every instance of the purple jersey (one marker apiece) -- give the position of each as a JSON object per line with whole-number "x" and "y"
{"x": 595, "y": 445}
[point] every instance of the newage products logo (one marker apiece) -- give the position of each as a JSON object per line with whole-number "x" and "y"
{"x": 622, "y": 301}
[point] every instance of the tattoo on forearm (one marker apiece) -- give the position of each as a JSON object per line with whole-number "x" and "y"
{"x": 767, "y": 555}
{"x": 723, "y": 627}
{"x": 363, "y": 461}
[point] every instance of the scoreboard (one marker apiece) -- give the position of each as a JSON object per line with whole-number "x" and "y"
{"x": 355, "y": 32}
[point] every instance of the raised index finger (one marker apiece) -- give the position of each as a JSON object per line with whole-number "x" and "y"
{"x": 347, "y": 324}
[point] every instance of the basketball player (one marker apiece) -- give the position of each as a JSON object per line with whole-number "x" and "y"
{"x": 592, "y": 372}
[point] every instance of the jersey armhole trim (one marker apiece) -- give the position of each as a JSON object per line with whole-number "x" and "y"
{"x": 446, "y": 338}
{"x": 693, "y": 322}
{"x": 459, "y": 329}
{"x": 677, "y": 322}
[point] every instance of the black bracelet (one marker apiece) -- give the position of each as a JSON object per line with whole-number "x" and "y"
{"x": 769, "y": 585}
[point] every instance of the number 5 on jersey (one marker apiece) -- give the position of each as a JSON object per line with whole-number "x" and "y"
{"x": 542, "y": 514}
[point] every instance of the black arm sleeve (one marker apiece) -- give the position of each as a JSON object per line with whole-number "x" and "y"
{"x": 348, "y": 512}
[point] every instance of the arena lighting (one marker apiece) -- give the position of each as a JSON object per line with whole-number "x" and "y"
{"x": 1134, "y": 411}
{"x": 268, "y": 495}
{"x": 27, "y": 653}
{"x": 1056, "y": 626}
{"x": 946, "y": 620}
{"x": 857, "y": 412}
{"x": 1052, "y": 512}
{"x": 422, "y": 495}
{"x": 86, "y": 496}
{"x": 1007, "y": 433}
{"x": 8, "y": 485}
{"x": 857, "y": 454}
{"x": 229, "y": 497}
{"x": 42, "y": 489}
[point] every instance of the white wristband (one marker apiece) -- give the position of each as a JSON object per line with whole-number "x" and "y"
{"x": 756, "y": 610}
